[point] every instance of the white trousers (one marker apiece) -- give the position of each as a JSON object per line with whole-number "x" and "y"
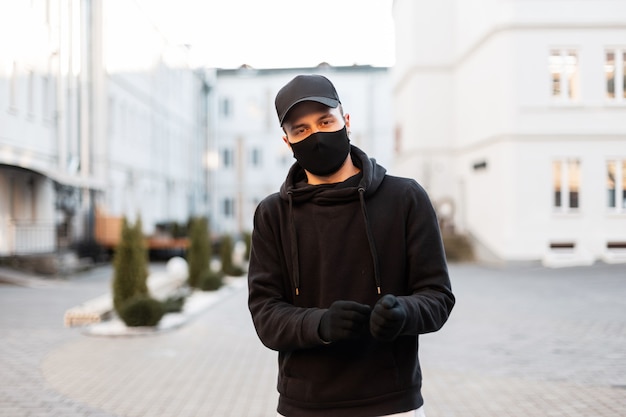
{"x": 414, "y": 413}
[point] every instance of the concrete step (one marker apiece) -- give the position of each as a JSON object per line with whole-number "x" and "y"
{"x": 458, "y": 248}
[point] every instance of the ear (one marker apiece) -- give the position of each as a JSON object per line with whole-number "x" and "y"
{"x": 346, "y": 118}
{"x": 286, "y": 141}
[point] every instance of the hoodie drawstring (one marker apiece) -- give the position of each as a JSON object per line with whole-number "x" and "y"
{"x": 294, "y": 246}
{"x": 370, "y": 239}
{"x": 294, "y": 243}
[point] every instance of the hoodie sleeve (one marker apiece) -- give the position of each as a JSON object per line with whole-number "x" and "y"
{"x": 279, "y": 324}
{"x": 432, "y": 300}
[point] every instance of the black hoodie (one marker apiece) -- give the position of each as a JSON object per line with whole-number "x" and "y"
{"x": 370, "y": 235}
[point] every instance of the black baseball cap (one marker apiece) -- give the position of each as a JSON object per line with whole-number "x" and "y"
{"x": 305, "y": 88}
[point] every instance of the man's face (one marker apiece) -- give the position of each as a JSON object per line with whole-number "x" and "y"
{"x": 310, "y": 117}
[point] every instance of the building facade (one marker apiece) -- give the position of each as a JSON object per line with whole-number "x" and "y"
{"x": 251, "y": 160}
{"x": 157, "y": 123}
{"x": 98, "y": 114}
{"x": 513, "y": 115}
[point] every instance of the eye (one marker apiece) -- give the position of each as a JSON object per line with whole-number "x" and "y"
{"x": 299, "y": 133}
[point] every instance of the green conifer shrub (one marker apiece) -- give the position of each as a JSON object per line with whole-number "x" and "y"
{"x": 226, "y": 255}
{"x": 130, "y": 265}
{"x": 211, "y": 280}
{"x": 247, "y": 239}
{"x": 142, "y": 257}
{"x": 141, "y": 310}
{"x": 199, "y": 252}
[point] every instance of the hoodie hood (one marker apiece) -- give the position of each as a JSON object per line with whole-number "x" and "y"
{"x": 372, "y": 175}
{"x": 296, "y": 191}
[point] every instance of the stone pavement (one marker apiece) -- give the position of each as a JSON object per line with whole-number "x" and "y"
{"x": 530, "y": 341}
{"x": 30, "y": 328}
{"x": 522, "y": 341}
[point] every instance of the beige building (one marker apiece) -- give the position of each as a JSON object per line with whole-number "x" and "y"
{"x": 512, "y": 113}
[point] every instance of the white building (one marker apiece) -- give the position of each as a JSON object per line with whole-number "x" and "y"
{"x": 252, "y": 159}
{"x": 43, "y": 138}
{"x": 97, "y": 110}
{"x": 515, "y": 112}
{"x": 157, "y": 123}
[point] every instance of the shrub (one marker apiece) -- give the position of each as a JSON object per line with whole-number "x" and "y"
{"x": 174, "y": 304}
{"x": 211, "y": 280}
{"x": 130, "y": 265}
{"x": 141, "y": 310}
{"x": 199, "y": 252}
{"x": 247, "y": 239}
{"x": 226, "y": 255}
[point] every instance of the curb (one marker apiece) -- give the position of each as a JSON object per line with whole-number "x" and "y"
{"x": 22, "y": 279}
{"x": 195, "y": 304}
{"x": 100, "y": 309}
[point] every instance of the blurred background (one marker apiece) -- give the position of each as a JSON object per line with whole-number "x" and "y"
{"x": 511, "y": 113}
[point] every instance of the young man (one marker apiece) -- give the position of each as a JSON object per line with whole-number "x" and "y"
{"x": 347, "y": 268}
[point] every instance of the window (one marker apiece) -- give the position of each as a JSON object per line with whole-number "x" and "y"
{"x": 616, "y": 185}
{"x": 255, "y": 157}
{"x": 228, "y": 159}
{"x": 13, "y": 88}
{"x": 229, "y": 207}
{"x": 30, "y": 94}
{"x": 566, "y": 180}
{"x": 225, "y": 107}
{"x": 49, "y": 92}
{"x": 111, "y": 114}
{"x": 123, "y": 121}
{"x": 563, "y": 65}
{"x": 45, "y": 99}
{"x": 615, "y": 72}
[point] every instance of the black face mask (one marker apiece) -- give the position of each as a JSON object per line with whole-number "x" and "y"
{"x": 322, "y": 153}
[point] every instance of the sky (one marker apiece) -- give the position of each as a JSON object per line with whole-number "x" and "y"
{"x": 277, "y": 33}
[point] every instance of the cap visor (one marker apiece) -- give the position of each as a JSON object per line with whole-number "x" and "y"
{"x": 324, "y": 100}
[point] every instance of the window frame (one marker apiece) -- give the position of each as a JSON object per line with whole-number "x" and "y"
{"x": 569, "y": 82}
{"x": 226, "y": 107}
{"x": 228, "y": 207}
{"x": 619, "y": 185}
{"x": 619, "y": 74}
{"x": 562, "y": 196}
{"x": 227, "y": 157}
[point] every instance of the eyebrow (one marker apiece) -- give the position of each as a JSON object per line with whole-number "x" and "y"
{"x": 319, "y": 119}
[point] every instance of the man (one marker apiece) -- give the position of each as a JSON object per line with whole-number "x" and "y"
{"x": 347, "y": 268}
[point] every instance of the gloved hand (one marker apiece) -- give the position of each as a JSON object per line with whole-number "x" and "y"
{"x": 387, "y": 319}
{"x": 344, "y": 320}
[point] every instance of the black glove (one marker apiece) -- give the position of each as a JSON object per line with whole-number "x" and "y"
{"x": 388, "y": 317}
{"x": 344, "y": 320}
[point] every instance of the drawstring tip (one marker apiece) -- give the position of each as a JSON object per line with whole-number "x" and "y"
{"x": 378, "y": 288}
{"x": 297, "y": 291}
